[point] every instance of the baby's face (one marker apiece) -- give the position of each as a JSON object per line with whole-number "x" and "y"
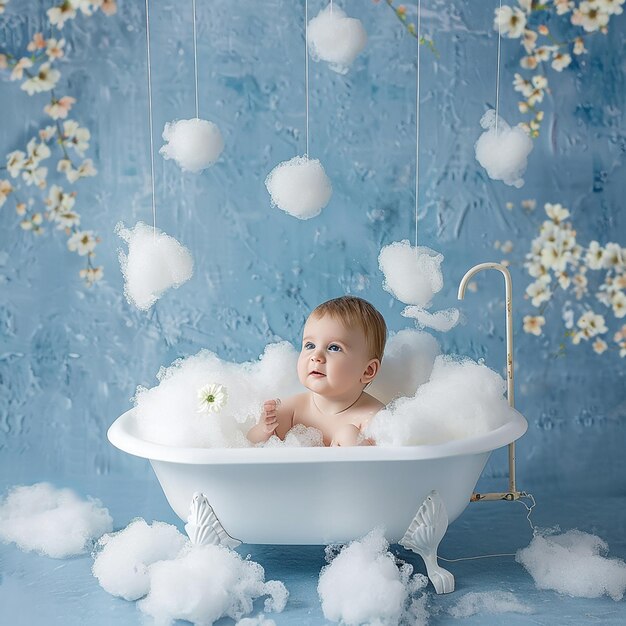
{"x": 333, "y": 359}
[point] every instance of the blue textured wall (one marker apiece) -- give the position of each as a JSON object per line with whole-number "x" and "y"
{"x": 71, "y": 357}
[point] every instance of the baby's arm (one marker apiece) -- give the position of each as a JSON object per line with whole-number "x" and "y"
{"x": 276, "y": 418}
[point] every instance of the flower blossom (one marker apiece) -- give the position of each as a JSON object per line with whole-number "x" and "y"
{"x": 18, "y": 69}
{"x": 37, "y": 43}
{"x": 533, "y": 324}
{"x": 560, "y": 61}
{"x": 91, "y": 275}
{"x": 45, "y": 80}
{"x": 5, "y": 189}
{"x": 590, "y": 15}
{"x": 59, "y": 15}
{"x": 212, "y": 398}
{"x": 612, "y": 257}
{"x": 563, "y": 6}
{"x": 593, "y": 258}
{"x": 54, "y": 48}
{"x": 58, "y": 109}
{"x": 539, "y": 291}
{"x": 599, "y": 345}
{"x": 510, "y": 21}
{"x": 82, "y": 242}
{"x": 611, "y": 7}
{"x": 15, "y": 162}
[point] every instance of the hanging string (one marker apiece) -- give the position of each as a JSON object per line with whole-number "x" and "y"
{"x": 498, "y": 68}
{"x": 488, "y": 556}
{"x": 195, "y": 55}
{"x": 150, "y": 118}
{"x": 306, "y": 70}
{"x": 417, "y": 116}
{"x": 331, "y": 7}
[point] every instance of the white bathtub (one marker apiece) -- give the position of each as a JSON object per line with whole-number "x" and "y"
{"x": 316, "y": 495}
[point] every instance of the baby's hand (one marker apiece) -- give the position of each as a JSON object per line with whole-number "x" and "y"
{"x": 269, "y": 419}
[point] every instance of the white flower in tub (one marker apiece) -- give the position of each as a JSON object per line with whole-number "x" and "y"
{"x": 212, "y": 398}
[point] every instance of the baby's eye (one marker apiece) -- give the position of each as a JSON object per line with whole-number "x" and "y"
{"x": 309, "y": 345}
{"x": 333, "y": 347}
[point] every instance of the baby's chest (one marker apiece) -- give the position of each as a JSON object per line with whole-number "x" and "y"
{"x": 327, "y": 425}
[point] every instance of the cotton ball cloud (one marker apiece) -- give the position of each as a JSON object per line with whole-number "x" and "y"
{"x": 299, "y": 187}
{"x": 363, "y": 584}
{"x": 442, "y": 321}
{"x": 407, "y": 363}
{"x": 503, "y": 154}
{"x": 194, "y": 144}
{"x": 170, "y": 413}
{"x": 205, "y": 583}
{"x": 53, "y": 522}
{"x": 335, "y": 38}
{"x": 122, "y": 559}
{"x": 462, "y": 399}
{"x": 412, "y": 275}
{"x": 574, "y": 563}
{"x": 155, "y": 263}
{"x": 488, "y": 602}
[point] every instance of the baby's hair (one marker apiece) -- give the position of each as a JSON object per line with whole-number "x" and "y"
{"x": 353, "y": 311}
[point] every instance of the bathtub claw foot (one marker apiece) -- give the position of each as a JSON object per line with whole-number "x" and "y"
{"x": 423, "y": 536}
{"x": 203, "y": 527}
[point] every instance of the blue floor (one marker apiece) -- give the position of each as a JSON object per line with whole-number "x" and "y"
{"x": 40, "y": 590}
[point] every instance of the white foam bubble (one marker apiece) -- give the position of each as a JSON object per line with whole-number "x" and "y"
{"x": 297, "y": 437}
{"x": 335, "y": 38}
{"x": 194, "y": 144}
{"x": 363, "y": 584}
{"x": 155, "y": 263}
{"x": 122, "y": 559}
{"x": 461, "y": 399}
{"x": 299, "y": 187}
{"x": 574, "y": 563}
{"x": 488, "y": 602}
{"x": 170, "y": 413}
{"x": 205, "y": 583}
{"x": 442, "y": 321}
{"x": 53, "y": 522}
{"x": 412, "y": 275}
{"x": 503, "y": 154}
{"x": 258, "y": 620}
{"x": 407, "y": 363}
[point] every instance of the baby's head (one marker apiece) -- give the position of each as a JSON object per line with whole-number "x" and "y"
{"x": 342, "y": 346}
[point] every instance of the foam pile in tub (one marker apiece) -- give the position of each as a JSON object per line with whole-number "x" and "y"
{"x": 431, "y": 398}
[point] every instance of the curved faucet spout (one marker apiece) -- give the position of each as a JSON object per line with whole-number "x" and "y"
{"x": 509, "y": 342}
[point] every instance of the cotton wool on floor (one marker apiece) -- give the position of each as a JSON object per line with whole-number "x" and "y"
{"x": 53, "y": 522}
{"x": 364, "y": 585}
{"x": 178, "y": 580}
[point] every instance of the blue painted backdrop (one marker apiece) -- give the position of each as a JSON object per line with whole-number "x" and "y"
{"x": 71, "y": 357}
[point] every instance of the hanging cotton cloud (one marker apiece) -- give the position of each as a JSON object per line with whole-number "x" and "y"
{"x": 335, "y": 38}
{"x": 194, "y": 144}
{"x": 299, "y": 187}
{"x": 488, "y": 602}
{"x": 461, "y": 399}
{"x": 154, "y": 264}
{"x": 122, "y": 559}
{"x": 574, "y": 563}
{"x": 53, "y": 522}
{"x": 442, "y": 321}
{"x": 412, "y": 275}
{"x": 204, "y": 583}
{"x": 407, "y": 363}
{"x": 503, "y": 153}
{"x": 171, "y": 414}
{"x": 363, "y": 585}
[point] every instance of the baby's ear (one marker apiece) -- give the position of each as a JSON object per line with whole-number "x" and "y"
{"x": 370, "y": 371}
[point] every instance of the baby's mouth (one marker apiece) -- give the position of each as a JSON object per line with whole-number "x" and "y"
{"x": 316, "y": 374}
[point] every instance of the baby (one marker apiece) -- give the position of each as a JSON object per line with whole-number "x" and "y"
{"x": 342, "y": 347}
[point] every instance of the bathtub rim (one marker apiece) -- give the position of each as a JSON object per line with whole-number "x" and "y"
{"x": 121, "y": 436}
